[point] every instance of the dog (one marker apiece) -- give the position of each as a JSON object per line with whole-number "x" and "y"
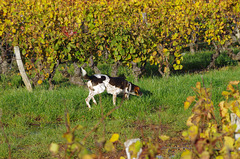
{"x": 98, "y": 83}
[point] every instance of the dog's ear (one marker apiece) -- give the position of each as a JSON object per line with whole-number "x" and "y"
{"x": 129, "y": 86}
{"x": 83, "y": 72}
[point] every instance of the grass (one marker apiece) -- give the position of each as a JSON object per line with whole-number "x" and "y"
{"x": 33, "y": 120}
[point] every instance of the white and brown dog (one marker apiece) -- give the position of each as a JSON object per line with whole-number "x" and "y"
{"x": 98, "y": 83}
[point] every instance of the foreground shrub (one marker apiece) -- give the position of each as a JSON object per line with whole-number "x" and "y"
{"x": 209, "y": 138}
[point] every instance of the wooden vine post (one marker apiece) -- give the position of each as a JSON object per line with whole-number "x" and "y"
{"x": 21, "y": 69}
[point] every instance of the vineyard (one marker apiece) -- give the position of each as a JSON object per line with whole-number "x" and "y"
{"x": 56, "y": 37}
{"x": 130, "y": 33}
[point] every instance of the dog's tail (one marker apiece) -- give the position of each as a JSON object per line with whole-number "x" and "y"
{"x": 84, "y": 73}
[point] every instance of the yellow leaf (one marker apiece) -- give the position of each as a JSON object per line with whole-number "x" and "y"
{"x": 154, "y": 53}
{"x": 193, "y": 132}
{"x": 40, "y": 81}
{"x": 99, "y": 53}
{"x": 54, "y": 148}
{"x": 180, "y": 67}
{"x": 78, "y": 20}
{"x": 151, "y": 58}
{"x": 230, "y": 87}
{"x": 234, "y": 82}
{"x": 164, "y": 137}
{"x": 198, "y": 85}
{"x": 129, "y": 23}
{"x": 186, "y": 155}
{"x": 205, "y": 155}
{"x": 165, "y": 50}
{"x": 51, "y": 15}
{"x": 14, "y": 30}
{"x": 186, "y": 105}
{"x": 228, "y": 142}
{"x": 237, "y": 143}
{"x": 68, "y": 136}
{"x": 191, "y": 98}
{"x": 178, "y": 62}
{"x": 114, "y": 137}
{"x": 185, "y": 134}
{"x": 110, "y": 8}
{"x": 189, "y": 121}
{"x": 122, "y": 157}
{"x": 225, "y": 93}
{"x": 87, "y": 156}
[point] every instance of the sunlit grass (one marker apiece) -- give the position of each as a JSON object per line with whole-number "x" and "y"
{"x": 33, "y": 120}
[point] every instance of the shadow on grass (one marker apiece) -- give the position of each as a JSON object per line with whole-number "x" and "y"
{"x": 146, "y": 92}
{"x": 193, "y": 63}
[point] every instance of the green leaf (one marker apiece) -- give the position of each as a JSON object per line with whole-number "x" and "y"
{"x": 115, "y": 52}
{"x": 100, "y": 47}
{"x": 118, "y": 57}
{"x": 132, "y": 50}
{"x": 23, "y": 52}
{"x": 119, "y": 38}
{"x": 113, "y": 43}
{"x": 125, "y": 38}
{"x": 135, "y": 148}
{"x": 109, "y": 146}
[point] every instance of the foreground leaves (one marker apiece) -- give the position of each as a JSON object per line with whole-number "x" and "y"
{"x": 208, "y": 138}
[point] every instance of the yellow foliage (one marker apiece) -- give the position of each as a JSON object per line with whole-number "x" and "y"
{"x": 228, "y": 143}
{"x": 82, "y": 26}
{"x": 54, "y": 148}
{"x": 186, "y": 155}
{"x": 40, "y": 82}
{"x": 114, "y": 137}
{"x": 204, "y": 130}
{"x": 186, "y": 105}
{"x": 164, "y": 137}
{"x": 193, "y": 132}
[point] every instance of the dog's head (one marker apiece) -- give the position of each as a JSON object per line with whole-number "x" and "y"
{"x": 135, "y": 90}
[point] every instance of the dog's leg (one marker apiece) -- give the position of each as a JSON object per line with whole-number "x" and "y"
{"x": 114, "y": 99}
{"x": 94, "y": 101}
{"x": 127, "y": 90}
{"x": 126, "y": 96}
{"x": 90, "y": 96}
{"x": 94, "y": 91}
